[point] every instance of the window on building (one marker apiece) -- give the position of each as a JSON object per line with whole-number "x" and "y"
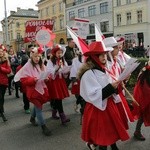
{"x": 47, "y": 11}
{"x": 18, "y": 36}
{"x": 81, "y": 13}
{"x": 11, "y": 35}
{"x": 129, "y": 18}
{"x": 103, "y": 8}
{"x": 61, "y": 6}
{"x": 53, "y": 9}
{"x": 91, "y": 28}
{"x": 128, "y": 1}
{"x": 104, "y": 26}
{"x": 119, "y": 20}
{"x": 61, "y": 21}
{"x": 41, "y": 13}
{"x": 139, "y": 16}
{"x": 54, "y": 27}
{"x": 71, "y": 15}
{"x": 78, "y": 2}
{"x": 92, "y": 10}
{"x": 118, "y": 2}
{"x": 17, "y": 24}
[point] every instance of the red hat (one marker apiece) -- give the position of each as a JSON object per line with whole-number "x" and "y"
{"x": 38, "y": 50}
{"x": 120, "y": 40}
{"x": 55, "y": 49}
{"x": 96, "y": 48}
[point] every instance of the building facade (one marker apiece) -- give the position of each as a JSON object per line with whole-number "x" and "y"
{"x": 50, "y": 9}
{"x": 132, "y": 20}
{"x": 96, "y": 11}
{"x": 1, "y": 37}
{"x": 16, "y": 27}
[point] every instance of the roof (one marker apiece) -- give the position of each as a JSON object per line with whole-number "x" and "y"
{"x": 25, "y": 13}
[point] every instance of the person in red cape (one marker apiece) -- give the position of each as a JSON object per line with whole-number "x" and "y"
{"x": 102, "y": 124}
{"x": 35, "y": 88}
{"x": 142, "y": 96}
{"x": 5, "y": 69}
{"x": 58, "y": 69}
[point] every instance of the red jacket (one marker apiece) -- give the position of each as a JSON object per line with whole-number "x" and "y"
{"x": 5, "y": 69}
{"x": 35, "y": 97}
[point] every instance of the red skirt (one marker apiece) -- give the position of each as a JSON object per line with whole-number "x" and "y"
{"x": 142, "y": 96}
{"x": 57, "y": 88}
{"x": 103, "y": 127}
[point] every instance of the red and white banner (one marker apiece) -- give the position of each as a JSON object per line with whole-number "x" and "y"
{"x": 83, "y": 27}
{"x": 33, "y": 26}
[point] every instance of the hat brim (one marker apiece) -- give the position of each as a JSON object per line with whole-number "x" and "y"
{"x": 94, "y": 53}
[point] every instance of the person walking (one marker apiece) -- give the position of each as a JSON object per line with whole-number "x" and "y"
{"x": 58, "y": 69}
{"x": 35, "y": 88}
{"x": 101, "y": 111}
{"x": 69, "y": 55}
{"x": 5, "y": 69}
{"x": 142, "y": 96}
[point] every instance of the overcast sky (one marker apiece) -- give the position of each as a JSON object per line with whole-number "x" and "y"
{"x": 11, "y": 5}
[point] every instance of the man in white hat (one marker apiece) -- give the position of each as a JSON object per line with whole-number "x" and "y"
{"x": 122, "y": 56}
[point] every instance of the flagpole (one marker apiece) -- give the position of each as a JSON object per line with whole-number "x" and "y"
{"x": 6, "y": 23}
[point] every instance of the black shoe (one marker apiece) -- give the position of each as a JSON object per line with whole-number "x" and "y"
{"x": 3, "y": 117}
{"x": 33, "y": 121}
{"x": 139, "y": 136}
{"x": 114, "y": 147}
{"x": 17, "y": 96}
{"x": 9, "y": 92}
{"x": 46, "y": 131}
{"x": 102, "y": 147}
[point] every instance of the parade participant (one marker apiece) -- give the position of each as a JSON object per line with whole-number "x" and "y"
{"x": 36, "y": 90}
{"x": 76, "y": 64}
{"x": 14, "y": 63}
{"x": 24, "y": 60}
{"x": 5, "y": 69}
{"x": 142, "y": 95}
{"x": 122, "y": 56}
{"x": 57, "y": 87}
{"x": 115, "y": 69}
{"x": 102, "y": 123}
{"x": 69, "y": 55}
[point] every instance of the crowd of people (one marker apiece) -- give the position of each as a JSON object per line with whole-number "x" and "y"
{"x": 92, "y": 75}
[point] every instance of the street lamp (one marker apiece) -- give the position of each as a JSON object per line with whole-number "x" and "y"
{"x": 6, "y": 23}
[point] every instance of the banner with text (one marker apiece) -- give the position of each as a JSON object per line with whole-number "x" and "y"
{"x": 83, "y": 27}
{"x": 33, "y": 26}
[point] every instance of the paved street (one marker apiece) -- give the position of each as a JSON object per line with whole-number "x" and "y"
{"x": 18, "y": 134}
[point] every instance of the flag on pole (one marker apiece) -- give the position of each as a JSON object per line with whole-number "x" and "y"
{"x": 98, "y": 34}
{"x": 83, "y": 47}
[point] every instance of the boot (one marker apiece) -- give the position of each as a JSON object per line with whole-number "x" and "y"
{"x": 54, "y": 116}
{"x": 3, "y": 117}
{"x": 45, "y": 130}
{"x": 102, "y": 147}
{"x": 114, "y": 147}
{"x": 33, "y": 121}
{"x": 139, "y": 136}
{"x": 64, "y": 120}
{"x": 17, "y": 95}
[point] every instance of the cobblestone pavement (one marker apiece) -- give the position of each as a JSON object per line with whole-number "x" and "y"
{"x": 18, "y": 134}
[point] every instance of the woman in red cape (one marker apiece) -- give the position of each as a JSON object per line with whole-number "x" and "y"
{"x": 142, "y": 96}
{"x": 102, "y": 124}
{"x": 35, "y": 87}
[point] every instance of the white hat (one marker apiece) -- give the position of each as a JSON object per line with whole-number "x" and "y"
{"x": 120, "y": 39}
{"x": 109, "y": 49}
{"x": 110, "y": 42}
